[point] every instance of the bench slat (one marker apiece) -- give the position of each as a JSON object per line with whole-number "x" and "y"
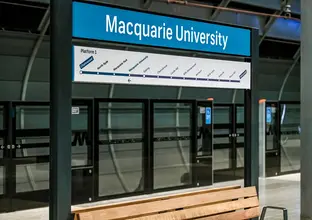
{"x": 203, "y": 211}
{"x": 238, "y": 215}
{"x": 158, "y": 198}
{"x": 173, "y": 203}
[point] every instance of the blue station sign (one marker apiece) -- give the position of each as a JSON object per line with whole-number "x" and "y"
{"x": 106, "y": 23}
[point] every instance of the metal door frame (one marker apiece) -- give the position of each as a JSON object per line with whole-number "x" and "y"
{"x": 238, "y": 134}
{"x": 11, "y": 146}
{"x": 146, "y": 152}
{"x": 280, "y": 134}
{"x": 233, "y": 129}
{"x": 148, "y": 143}
{"x": 276, "y": 151}
{"x": 153, "y": 139}
{"x": 196, "y": 163}
{"x": 5, "y": 198}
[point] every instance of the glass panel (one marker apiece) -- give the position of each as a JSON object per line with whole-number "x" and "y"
{"x": 1, "y": 154}
{"x": 1, "y": 137}
{"x": 36, "y": 143}
{"x": 240, "y": 118}
{"x": 121, "y": 148}
{"x": 80, "y": 138}
{"x": 172, "y": 157}
{"x": 271, "y": 128}
{"x": 32, "y": 177}
{"x": 2, "y": 180}
{"x": 32, "y": 117}
{"x": 222, "y": 144}
{"x": 290, "y": 137}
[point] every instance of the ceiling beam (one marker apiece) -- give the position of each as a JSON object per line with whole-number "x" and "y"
{"x": 216, "y": 12}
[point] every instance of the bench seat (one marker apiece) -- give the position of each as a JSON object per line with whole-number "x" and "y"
{"x": 212, "y": 204}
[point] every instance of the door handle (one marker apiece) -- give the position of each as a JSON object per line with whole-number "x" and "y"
{"x": 2, "y": 147}
{"x": 9, "y": 147}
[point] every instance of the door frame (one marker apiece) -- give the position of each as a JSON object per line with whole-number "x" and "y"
{"x": 202, "y": 165}
{"x": 5, "y": 198}
{"x": 273, "y": 156}
{"x": 11, "y": 197}
{"x": 233, "y": 144}
{"x": 280, "y": 135}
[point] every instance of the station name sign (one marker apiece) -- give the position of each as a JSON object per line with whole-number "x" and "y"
{"x": 107, "y": 23}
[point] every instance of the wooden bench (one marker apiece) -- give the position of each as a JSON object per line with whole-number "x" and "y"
{"x": 213, "y": 204}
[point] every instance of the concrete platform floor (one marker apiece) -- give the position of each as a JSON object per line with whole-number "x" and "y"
{"x": 281, "y": 191}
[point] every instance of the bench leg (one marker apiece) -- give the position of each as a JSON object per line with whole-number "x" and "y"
{"x": 285, "y": 212}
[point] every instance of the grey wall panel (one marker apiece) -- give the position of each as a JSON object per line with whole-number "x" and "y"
{"x": 11, "y": 45}
{"x": 273, "y": 67}
{"x": 38, "y": 91}
{"x": 10, "y": 90}
{"x": 292, "y": 84}
{"x": 161, "y": 92}
{"x": 270, "y": 82}
{"x": 90, "y": 90}
{"x": 41, "y": 91}
{"x": 40, "y": 70}
{"x": 291, "y": 96}
{"x": 268, "y": 95}
{"x": 21, "y": 44}
{"x": 224, "y": 95}
{"x": 12, "y": 67}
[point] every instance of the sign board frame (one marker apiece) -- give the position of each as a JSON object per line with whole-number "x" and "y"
{"x": 194, "y": 34}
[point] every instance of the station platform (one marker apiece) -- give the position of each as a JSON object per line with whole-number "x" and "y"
{"x": 275, "y": 191}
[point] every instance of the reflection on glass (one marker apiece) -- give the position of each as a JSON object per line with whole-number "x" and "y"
{"x": 290, "y": 137}
{"x": 171, "y": 157}
{"x": 1, "y": 151}
{"x": 120, "y": 153}
{"x": 1, "y": 118}
{"x": 80, "y": 137}
{"x": 32, "y": 117}
{"x": 1, "y": 180}
{"x": 32, "y": 177}
{"x": 271, "y": 134}
{"x": 1, "y": 155}
{"x": 222, "y": 147}
{"x": 240, "y": 120}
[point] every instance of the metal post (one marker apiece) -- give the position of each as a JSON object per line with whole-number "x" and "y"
{"x": 60, "y": 109}
{"x": 306, "y": 108}
{"x": 251, "y": 163}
